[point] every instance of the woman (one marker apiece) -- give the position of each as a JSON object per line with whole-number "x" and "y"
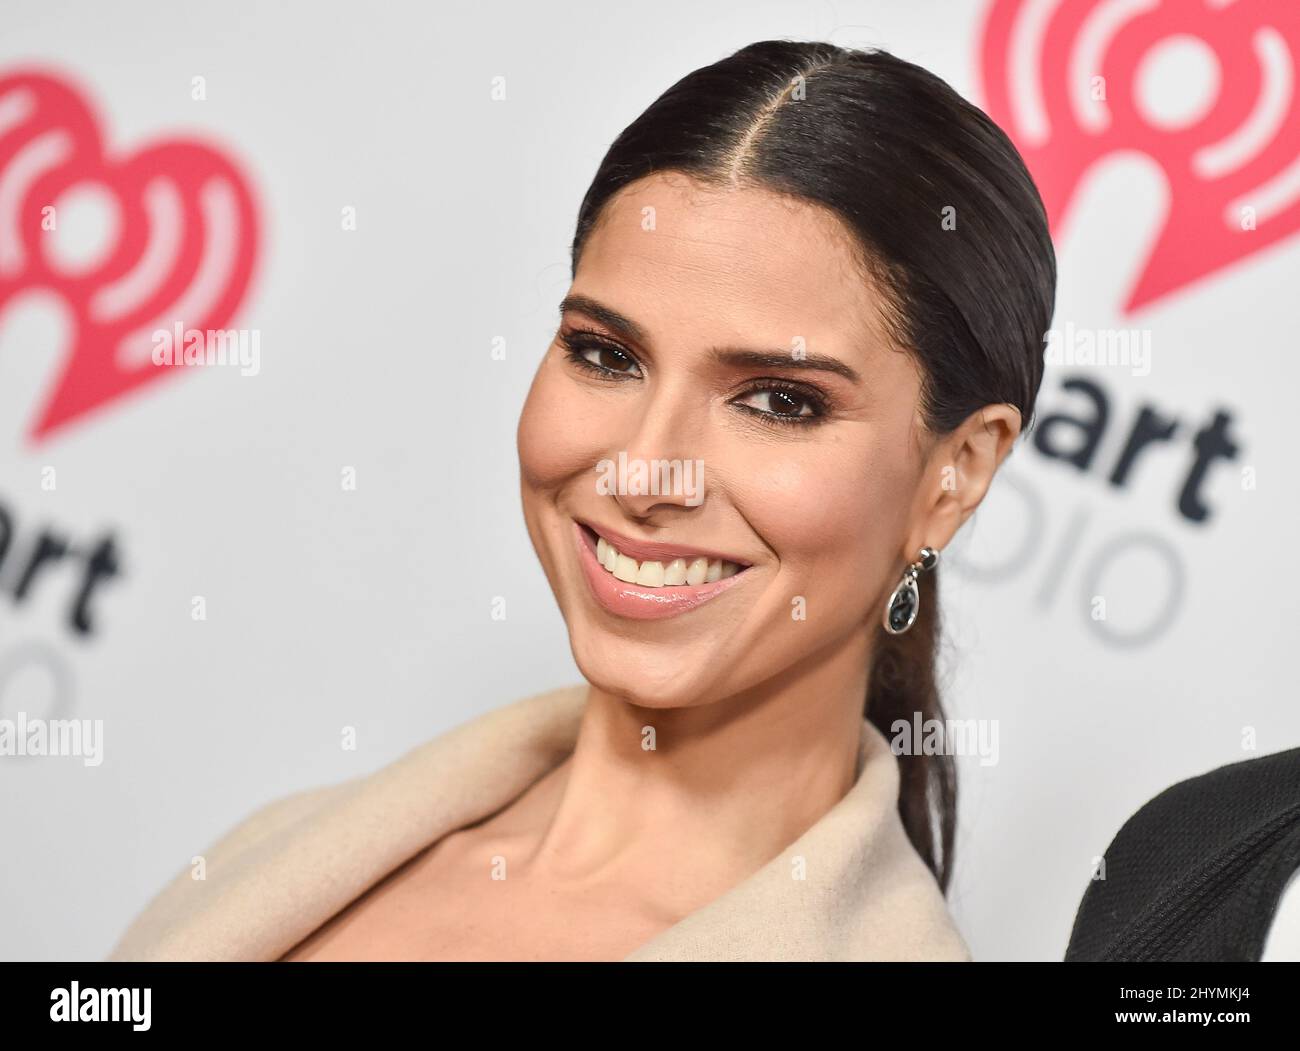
{"x": 804, "y": 329}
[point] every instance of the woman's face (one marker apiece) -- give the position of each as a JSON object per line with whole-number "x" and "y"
{"x": 730, "y": 334}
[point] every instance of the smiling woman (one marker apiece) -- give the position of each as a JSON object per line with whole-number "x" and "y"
{"x": 824, "y": 276}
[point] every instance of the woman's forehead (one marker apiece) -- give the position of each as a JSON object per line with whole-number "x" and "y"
{"x": 672, "y": 250}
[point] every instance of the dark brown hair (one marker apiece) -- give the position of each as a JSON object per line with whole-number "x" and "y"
{"x": 892, "y": 151}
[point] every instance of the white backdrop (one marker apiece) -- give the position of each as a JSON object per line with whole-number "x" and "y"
{"x": 326, "y": 606}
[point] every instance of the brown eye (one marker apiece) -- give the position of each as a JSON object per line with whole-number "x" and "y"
{"x": 600, "y": 357}
{"x": 611, "y": 358}
{"x": 779, "y": 403}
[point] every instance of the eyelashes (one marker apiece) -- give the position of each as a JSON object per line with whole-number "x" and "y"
{"x": 791, "y": 404}
{"x": 792, "y": 398}
{"x": 579, "y": 345}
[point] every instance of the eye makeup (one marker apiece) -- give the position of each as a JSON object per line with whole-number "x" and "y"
{"x": 580, "y": 346}
{"x": 790, "y": 403}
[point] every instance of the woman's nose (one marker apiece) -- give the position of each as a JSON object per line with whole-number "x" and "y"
{"x": 663, "y": 465}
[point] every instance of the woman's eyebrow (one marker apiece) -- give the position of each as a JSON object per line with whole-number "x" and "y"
{"x": 733, "y": 356}
{"x": 608, "y": 316}
{"x": 740, "y": 357}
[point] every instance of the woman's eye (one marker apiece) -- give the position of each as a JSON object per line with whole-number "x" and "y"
{"x": 612, "y": 359}
{"x": 602, "y": 357}
{"x": 780, "y": 403}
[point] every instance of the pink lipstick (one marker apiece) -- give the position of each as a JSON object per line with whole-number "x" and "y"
{"x": 641, "y": 601}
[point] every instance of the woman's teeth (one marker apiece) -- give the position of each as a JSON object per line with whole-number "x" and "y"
{"x": 658, "y": 575}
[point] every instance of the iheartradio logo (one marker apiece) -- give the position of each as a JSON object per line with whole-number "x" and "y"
{"x": 179, "y": 247}
{"x": 1208, "y": 89}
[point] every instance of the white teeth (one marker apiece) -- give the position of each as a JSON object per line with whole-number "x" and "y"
{"x": 652, "y": 574}
{"x": 676, "y": 572}
{"x": 698, "y": 571}
{"x": 625, "y": 569}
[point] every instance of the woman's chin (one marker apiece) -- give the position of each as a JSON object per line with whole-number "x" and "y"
{"x": 648, "y": 685}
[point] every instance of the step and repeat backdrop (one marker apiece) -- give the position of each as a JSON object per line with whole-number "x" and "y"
{"x": 235, "y": 566}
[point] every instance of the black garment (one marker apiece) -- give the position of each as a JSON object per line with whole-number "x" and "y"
{"x": 1197, "y": 872}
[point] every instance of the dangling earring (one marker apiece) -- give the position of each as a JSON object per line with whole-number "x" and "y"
{"x": 905, "y": 602}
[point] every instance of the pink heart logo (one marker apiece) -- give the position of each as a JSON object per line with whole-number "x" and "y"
{"x": 182, "y": 251}
{"x": 1065, "y": 84}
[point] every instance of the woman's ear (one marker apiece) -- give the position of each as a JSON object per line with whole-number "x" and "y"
{"x": 958, "y": 472}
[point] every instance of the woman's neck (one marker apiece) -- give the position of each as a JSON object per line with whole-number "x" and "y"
{"x": 684, "y": 803}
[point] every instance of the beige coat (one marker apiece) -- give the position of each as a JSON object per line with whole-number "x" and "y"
{"x": 292, "y": 865}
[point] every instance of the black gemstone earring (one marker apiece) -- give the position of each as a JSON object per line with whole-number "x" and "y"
{"x": 905, "y": 602}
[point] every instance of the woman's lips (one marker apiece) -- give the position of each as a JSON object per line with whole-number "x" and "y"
{"x": 642, "y": 602}
{"x": 655, "y": 550}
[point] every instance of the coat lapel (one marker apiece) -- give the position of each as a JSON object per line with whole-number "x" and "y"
{"x": 852, "y": 887}
{"x": 863, "y": 894}
{"x": 295, "y": 864}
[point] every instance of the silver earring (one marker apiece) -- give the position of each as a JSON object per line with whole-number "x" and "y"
{"x": 905, "y": 602}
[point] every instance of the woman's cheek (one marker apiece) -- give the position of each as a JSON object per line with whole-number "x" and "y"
{"x": 562, "y": 428}
{"x": 824, "y": 512}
